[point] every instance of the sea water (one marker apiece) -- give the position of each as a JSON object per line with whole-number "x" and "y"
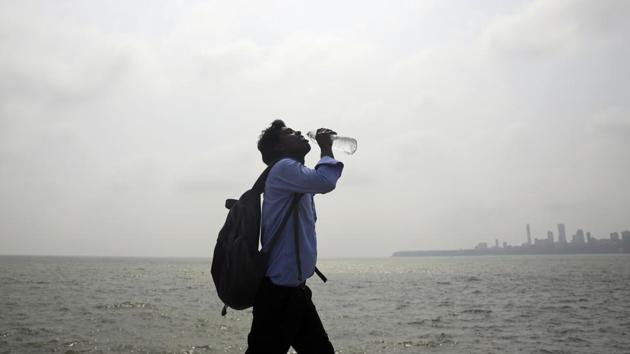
{"x": 486, "y": 304}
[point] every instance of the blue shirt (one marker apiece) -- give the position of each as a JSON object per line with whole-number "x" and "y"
{"x": 286, "y": 178}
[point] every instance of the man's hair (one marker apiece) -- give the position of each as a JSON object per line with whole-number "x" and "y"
{"x": 268, "y": 140}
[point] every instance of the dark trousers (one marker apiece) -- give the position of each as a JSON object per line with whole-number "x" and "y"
{"x": 283, "y": 317}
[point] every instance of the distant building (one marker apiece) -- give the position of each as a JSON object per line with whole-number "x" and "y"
{"x": 589, "y": 239}
{"x": 562, "y": 235}
{"x": 482, "y": 246}
{"x": 605, "y": 242}
{"x": 540, "y": 242}
{"x": 496, "y": 243}
{"x": 550, "y": 236}
{"x": 625, "y": 241}
{"x": 578, "y": 238}
{"x": 529, "y": 236}
{"x": 614, "y": 236}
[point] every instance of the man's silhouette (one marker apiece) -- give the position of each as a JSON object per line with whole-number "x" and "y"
{"x": 284, "y": 314}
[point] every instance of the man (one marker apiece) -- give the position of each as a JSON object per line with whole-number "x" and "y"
{"x": 284, "y": 314}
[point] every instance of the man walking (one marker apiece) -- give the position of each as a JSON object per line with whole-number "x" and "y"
{"x": 284, "y": 314}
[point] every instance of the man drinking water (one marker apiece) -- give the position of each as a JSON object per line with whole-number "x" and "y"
{"x": 284, "y": 314}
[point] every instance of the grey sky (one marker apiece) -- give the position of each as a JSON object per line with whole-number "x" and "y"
{"x": 125, "y": 124}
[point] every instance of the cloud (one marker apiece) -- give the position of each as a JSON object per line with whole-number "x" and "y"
{"x": 545, "y": 28}
{"x": 120, "y": 121}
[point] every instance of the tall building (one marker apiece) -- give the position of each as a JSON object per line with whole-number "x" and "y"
{"x": 562, "y": 235}
{"x": 578, "y": 238}
{"x": 529, "y": 236}
{"x": 614, "y": 236}
{"x": 550, "y": 237}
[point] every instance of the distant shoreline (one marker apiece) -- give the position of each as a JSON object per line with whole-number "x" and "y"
{"x": 500, "y": 252}
{"x": 107, "y": 257}
{"x": 198, "y": 258}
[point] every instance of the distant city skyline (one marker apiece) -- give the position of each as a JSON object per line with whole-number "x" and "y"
{"x": 581, "y": 241}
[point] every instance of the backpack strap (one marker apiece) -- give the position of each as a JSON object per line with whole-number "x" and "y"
{"x": 296, "y": 236}
{"x": 276, "y": 237}
{"x": 320, "y": 275}
{"x": 259, "y": 185}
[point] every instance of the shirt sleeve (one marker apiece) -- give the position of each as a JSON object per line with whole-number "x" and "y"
{"x": 293, "y": 176}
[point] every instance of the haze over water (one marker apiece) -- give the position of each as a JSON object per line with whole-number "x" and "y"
{"x": 473, "y": 119}
{"x": 511, "y": 304}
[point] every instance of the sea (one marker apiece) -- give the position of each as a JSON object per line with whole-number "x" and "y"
{"x": 477, "y": 304}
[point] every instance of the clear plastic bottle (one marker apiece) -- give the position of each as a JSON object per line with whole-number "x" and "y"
{"x": 342, "y": 143}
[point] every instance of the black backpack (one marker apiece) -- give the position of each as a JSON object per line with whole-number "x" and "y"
{"x": 238, "y": 267}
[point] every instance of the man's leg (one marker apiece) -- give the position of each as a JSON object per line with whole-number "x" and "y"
{"x": 311, "y": 336}
{"x": 269, "y": 333}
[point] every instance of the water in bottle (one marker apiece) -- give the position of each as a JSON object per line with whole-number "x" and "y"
{"x": 342, "y": 143}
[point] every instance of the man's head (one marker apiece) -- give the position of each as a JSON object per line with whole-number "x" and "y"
{"x": 278, "y": 141}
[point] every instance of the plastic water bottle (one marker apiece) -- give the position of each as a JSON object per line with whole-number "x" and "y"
{"x": 342, "y": 143}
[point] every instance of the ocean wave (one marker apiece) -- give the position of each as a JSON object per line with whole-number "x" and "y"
{"x": 125, "y": 305}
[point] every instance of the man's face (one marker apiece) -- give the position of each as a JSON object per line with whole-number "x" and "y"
{"x": 292, "y": 143}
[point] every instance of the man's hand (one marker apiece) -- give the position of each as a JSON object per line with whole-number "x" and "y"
{"x": 324, "y": 140}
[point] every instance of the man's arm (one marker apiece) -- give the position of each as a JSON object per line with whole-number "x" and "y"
{"x": 327, "y": 152}
{"x": 293, "y": 176}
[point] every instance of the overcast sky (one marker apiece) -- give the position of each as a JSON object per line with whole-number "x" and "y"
{"x": 124, "y": 125}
